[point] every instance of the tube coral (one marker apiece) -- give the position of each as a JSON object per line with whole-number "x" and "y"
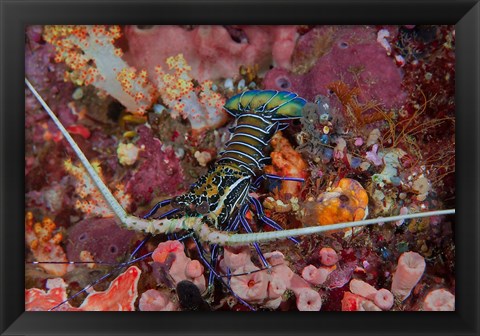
{"x": 439, "y": 300}
{"x": 182, "y": 267}
{"x": 383, "y": 299}
{"x": 410, "y": 268}
{"x": 154, "y": 300}
{"x": 316, "y": 276}
{"x": 90, "y": 53}
{"x": 251, "y": 287}
{"x": 328, "y": 256}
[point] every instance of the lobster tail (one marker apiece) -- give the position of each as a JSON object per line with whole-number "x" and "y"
{"x": 275, "y": 105}
{"x": 258, "y": 115}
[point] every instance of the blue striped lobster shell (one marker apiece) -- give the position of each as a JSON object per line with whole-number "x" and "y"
{"x": 224, "y": 189}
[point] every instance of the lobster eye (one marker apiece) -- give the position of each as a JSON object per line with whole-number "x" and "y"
{"x": 202, "y": 208}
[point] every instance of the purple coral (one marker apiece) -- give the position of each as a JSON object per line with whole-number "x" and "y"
{"x": 159, "y": 170}
{"x": 353, "y": 56}
{"x": 102, "y": 238}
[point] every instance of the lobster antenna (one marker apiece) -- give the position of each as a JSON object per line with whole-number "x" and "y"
{"x": 246, "y": 238}
{"x": 106, "y": 193}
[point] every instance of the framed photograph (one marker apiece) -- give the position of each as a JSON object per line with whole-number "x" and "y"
{"x": 256, "y": 159}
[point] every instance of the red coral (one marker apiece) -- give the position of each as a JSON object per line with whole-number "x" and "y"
{"x": 120, "y": 295}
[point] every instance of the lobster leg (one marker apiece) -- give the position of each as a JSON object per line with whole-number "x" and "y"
{"x": 263, "y": 177}
{"x": 156, "y": 207}
{"x": 216, "y": 275}
{"x": 247, "y": 228}
{"x": 270, "y": 222}
{"x": 232, "y": 226}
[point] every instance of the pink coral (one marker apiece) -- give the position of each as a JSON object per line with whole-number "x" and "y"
{"x": 382, "y": 298}
{"x": 410, "y": 268}
{"x": 236, "y": 257}
{"x": 251, "y": 287}
{"x": 267, "y": 288}
{"x": 154, "y": 300}
{"x": 308, "y": 300}
{"x": 354, "y": 302}
{"x": 362, "y": 288}
{"x": 92, "y": 57}
{"x": 328, "y": 256}
{"x": 120, "y": 295}
{"x": 316, "y": 276}
{"x": 182, "y": 267}
{"x": 439, "y": 300}
{"x": 214, "y": 52}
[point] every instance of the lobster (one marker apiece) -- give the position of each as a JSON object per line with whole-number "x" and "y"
{"x": 216, "y": 204}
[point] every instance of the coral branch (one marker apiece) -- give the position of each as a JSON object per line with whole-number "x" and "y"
{"x": 90, "y": 53}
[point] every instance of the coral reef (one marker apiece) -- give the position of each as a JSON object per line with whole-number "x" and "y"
{"x": 267, "y": 288}
{"x": 155, "y": 300}
{"x": 158, "y": 169}
{"x": 145, "y": 105}
{"x": 286, "y": 162}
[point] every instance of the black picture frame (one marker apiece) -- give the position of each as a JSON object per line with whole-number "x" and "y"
{"x": 16, "y": 14}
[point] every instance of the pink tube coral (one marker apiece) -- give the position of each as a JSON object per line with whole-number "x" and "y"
{"x": 384, "y": 299}
{"x": 154, "y": 300}
{"x": 439, "y": 300}
{"x": 410, "y": 268}
{"x": 354, "y": 302}
{"x": 316, "y": 276}
{"x": 182, "y": 267}
{"x": 362, "y": 288}
{"x": 251, "y": 287}
{"x": 308, "y": 300}
{"x": 328, "y": 256}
